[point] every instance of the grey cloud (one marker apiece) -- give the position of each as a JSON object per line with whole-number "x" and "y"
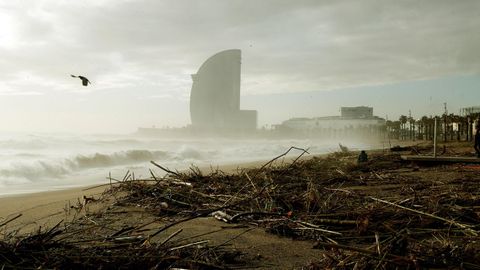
{"x": 287, "y": 45}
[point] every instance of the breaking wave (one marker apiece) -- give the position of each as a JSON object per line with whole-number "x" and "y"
{"x": 42, "y": 162}
{"x": 118, "y": 158}
{"x": 58, "y": 168}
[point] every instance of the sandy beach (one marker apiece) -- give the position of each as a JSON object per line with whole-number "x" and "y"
{"x": 39, "y": 205}
{"x": 342, "y": 198}
{"x": 46, "y": 208}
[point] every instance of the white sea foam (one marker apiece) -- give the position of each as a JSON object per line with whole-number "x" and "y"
{"x": 54, "y": 168}
{"x": 45, "y": 162}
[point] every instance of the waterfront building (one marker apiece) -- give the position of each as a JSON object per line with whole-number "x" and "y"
{"x": 215, "y": 95}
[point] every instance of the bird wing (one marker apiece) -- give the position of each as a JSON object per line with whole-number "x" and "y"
{"x": 73, "y": 76}
{"x": 85, "y": 81}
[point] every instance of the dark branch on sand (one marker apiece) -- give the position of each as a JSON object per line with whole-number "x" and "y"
{"x": 165, "y": 169}
{"x": 10, "y": 220}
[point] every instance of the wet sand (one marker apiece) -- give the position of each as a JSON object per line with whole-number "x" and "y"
{"x": 39, "y": 207}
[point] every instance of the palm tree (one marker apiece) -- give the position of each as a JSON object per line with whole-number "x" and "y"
{"x": 411, "y": 128}
{"x": 403, "y": 121}
{"x": 431, "y": 127}
{"x": 423, "y": 126}
{"x": 455, "y": 119}
{"x": 392, "y": 129}
{"x": 445, "y": 127}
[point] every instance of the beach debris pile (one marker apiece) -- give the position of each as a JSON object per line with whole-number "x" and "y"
{"x": 90, "y": 243}
{"x": 378, "y": 214}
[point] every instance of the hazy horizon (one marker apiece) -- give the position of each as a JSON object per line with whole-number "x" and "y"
{"x": 299, "y": 59}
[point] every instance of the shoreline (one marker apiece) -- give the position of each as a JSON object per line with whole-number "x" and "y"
{"x": 28, "y": 179}
{"x": 77, "y": 181}
{"x": 35, "y": 206}
{"x": 55, "y": 200}
{"x": 334, "y": 195}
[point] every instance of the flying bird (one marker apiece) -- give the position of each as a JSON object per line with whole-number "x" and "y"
{"x": 85, "y": 81}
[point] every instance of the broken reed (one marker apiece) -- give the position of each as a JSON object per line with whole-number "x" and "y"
{"x": 380, "y": 214}
{"x": 335, "y": 202}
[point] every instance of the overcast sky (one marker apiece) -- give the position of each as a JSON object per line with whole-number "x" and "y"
{"x": 139, "y": 56}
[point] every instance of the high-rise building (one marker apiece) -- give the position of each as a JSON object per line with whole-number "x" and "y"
{"x": 215, "y": 95}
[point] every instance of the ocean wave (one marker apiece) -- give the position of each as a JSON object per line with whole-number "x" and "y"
{"x": 60, "y": 167}
{"x": 32, "y": 171}
{"x": 118, "y": 158}
{"x": 187, "y": 152}
{"x": 66, "y": 156}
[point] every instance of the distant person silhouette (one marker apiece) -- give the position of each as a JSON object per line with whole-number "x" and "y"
{"x": 85, "y": 81}
{"x": 476, "y": 146}
{"x": 363, "y": 157}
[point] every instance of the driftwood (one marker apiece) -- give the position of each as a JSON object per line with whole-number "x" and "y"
{"x": 321, "y": 200}
{"x": 467, "y": 228}
{"x": 164, "y": 169}
{"x": 10, "y": 220}
{"x": 393, "y": 258}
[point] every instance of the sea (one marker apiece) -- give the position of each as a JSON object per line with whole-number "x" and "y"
{"x": 46, "y": 162}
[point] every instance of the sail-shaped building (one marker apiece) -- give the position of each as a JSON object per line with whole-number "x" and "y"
{"x": 215, "y": 95}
